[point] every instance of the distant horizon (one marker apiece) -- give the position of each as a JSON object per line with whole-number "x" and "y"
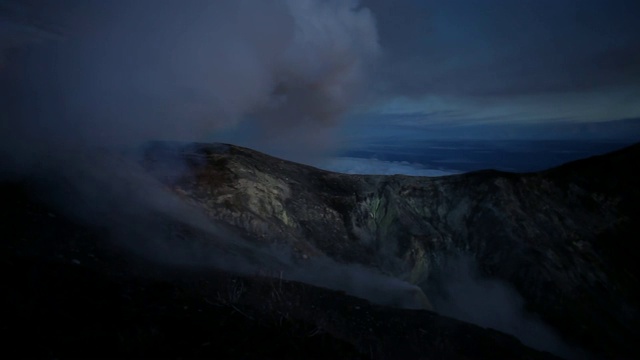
{"x": 385, "y": 148}
{"x": 472, "y": 155}
{"x": 448, "y": 156}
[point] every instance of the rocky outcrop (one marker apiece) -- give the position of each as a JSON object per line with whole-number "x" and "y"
{"x": 70, "y": 290}
{"x": 564, "y": 238}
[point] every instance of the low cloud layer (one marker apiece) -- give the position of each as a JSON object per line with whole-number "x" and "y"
{"x": 353, "y": 165}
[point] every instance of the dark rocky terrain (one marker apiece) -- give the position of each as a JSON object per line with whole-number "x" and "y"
{"x": 565, "y": 239}
{"x": 70, "y": 291}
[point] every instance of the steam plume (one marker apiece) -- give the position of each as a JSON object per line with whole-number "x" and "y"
{"x": 126, "y": 72}
{"x": 122, "y": 73}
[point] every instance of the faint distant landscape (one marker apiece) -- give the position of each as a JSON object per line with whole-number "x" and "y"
{"x": 443, "y": 157}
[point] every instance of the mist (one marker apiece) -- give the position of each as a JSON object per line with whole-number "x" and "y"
{"x": 80, "y": 107}
{"x": 83, "y": 82}
{"x": 121, "y": 73}
{"x": 144, "y": 217}
{"x": 460, "y": 290}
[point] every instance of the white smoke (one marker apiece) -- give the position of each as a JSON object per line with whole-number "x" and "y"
{"x": 130, "y": 71}
{"x": 122, "y": 73}
{"x": 467, "y": 295}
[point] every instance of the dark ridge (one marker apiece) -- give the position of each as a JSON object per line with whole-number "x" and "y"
{"x": 563, "y": 238}
{"x": 69, "y": 292}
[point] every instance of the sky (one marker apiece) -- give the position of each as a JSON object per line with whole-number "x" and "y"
{"x": 488, "y": 62}
{"x": 498, "y": 69}
{"x": 303, "y": 78}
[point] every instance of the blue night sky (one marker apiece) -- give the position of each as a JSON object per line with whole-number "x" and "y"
{"x": 505, "y": 69}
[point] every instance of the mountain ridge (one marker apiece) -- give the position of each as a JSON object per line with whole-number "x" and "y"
{"x": 72, "y": 292}
{"x": 554, "y": 249}
{"x": 539, "y": 232}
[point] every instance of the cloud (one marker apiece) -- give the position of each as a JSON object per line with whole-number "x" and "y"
{"x": 127, "y": 72}
{"x": 506, "y": 48}
{"x": 352, "y": 165}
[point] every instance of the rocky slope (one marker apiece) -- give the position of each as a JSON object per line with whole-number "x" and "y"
{"x": 565, "y": 238}
{"x": 70, "y": 291}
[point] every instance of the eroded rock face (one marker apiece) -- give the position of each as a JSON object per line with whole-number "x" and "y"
{"x": 563, "y": 238}
{"x": 70, "y": 290}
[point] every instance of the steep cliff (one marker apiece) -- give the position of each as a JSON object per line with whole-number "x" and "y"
{"x": 565, "y": 238}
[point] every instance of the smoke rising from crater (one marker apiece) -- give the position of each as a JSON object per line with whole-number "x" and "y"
{"x": 460, "y": 290}
{"x": 120, "y": 73}
{"x": 126, "y": 72}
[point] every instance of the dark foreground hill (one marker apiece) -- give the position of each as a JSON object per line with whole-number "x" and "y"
{"x": 565, "y": 240}
{"x": 70, "y": 291}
